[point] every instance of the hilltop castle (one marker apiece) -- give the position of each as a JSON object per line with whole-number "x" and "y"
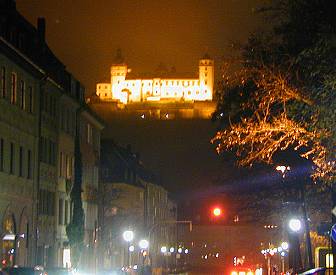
{"x": 125, "y": 89}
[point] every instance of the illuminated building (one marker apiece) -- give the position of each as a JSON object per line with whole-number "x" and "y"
{"x": 125, "y": 89}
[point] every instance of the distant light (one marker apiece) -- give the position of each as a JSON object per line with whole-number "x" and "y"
{"x": 128, "y": 235}
{"x": 258, "y": 271}
{"x": 280, "y": 249}
{"x": 143, "y": 244}
{"x": 249, "y": 273}
{"x": 163, "y": 249}
{"x": 131, "y": 248}
{"x": 172, "y": 249}
{"x": 143, "y": 116}
{"x": 294, "y": 224}
{"x": 135, "y": 267}
{"x": 283, "y": 254}
{"x": 234, "y": 273}
{"x": 217, "y": 255}
{"x": 167, "y": 115}
{"x": 284, "y": 245}
{"x": 217, "y": 211}
{"x": 179, "y": 250}
{"x": 221, "y": 114}
{"x": 186, "y": 251}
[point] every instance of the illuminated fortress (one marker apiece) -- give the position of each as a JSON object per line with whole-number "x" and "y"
{"x": 125, "y": 89}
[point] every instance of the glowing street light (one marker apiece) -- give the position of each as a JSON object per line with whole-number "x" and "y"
{"x": 284, "y": 245}
{"x": 294, "y": 225}
{"x": 143, "y": 244}
{"x": 128, "y": 235}
{"x": 163, "y": 249}
{"x": 171, "y": 250}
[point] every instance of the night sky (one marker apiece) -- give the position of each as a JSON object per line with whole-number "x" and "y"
{"x": 85, "y": 34}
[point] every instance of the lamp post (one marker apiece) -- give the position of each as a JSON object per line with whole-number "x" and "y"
{"x": 143, "y": 244}
{"x": 284, "y": 169}
{"x": 128, "y": 236}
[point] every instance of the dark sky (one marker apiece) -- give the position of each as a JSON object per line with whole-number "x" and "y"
{"x": 85, "y": 34}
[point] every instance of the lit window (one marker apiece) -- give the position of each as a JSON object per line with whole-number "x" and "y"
{"x": 22, "y": 95}
{"x": 3, "y": 82}
{"x": 189, "y": 93}
{"x": 13, "y": 89}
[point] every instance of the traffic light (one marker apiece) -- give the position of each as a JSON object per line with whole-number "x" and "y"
{"x": 217, "y": 212}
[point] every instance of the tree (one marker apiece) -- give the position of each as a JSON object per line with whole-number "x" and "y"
{"x": 75, "y": 229}
{"x": 282, "y": 98}
{"x": 283, "y": 95}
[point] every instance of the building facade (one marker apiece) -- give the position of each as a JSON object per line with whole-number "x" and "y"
{"x": 126, "y": 89}
{"x": 41, "y": 105}
{"x": 133, "y": 201}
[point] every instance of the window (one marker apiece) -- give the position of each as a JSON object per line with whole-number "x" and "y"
{"x": 13, "y": 89}
{"x": 22, "y": 95}
{"x": 3, "y": 82}
{"x": 30, "y": 100}
{"x": 11, "y": 160}
{"x": 1, "y": 154}
{"x": 21, "y": 161}
{"x": 61, "y": 164}
{"x": 66, "y": 212}
{"x": 205, "y": 74}
{"x": 60, "y": 212}
{"x": 205, "y": 82}
{"x": 29, "y": 164}
{"x": 89, "y": 133}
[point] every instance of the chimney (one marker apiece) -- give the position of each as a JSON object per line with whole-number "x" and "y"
{"x": 41, "y": 27}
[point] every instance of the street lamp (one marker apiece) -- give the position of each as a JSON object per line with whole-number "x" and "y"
{"x": 143, "y": 244}
{"x": 294, "y": 225}
{"x": 284, "y": 245}
{"x": 128, "y": 236}
{"x": 163, "y": 249}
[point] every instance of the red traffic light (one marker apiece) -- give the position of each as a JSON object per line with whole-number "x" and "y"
{"x": 217, "y": 211}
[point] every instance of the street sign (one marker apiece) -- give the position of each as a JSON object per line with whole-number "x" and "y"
{"x": 333, "y": 233}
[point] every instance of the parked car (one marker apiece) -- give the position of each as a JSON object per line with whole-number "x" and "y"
{"x": 24, "y": 270}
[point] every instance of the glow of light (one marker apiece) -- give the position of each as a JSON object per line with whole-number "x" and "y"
{"x": 172, "y": 249}
{"x": 143, "y": 244}
{"x": 249, "y": 273}
{"x": 186, "y": 251}
{"x": 283, "y": 254}
{"x": 329, "y": 261}
{"x": 217, "y": 255}
{"x": 258, "y": 271}
{"x": 179, "y": 250}
{"x": 128, "y": 235}
{"x": 217, "y": 212}
{"x": 284, "y": 245}
{"x": 294, "y": 224}
{"x": 135, "y": 267}
{"x": 143, "y": 116}
{"x": 234, "y": 273}
{"x": 131, "y": 248}
{"x": 241, "y": 273}
{"x": 66, "y": 258}
{"x": 163, "y": 249}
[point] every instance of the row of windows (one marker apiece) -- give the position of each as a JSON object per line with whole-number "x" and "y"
{"x": 19, "y": 95}
{"x": 64, "y": 212}
{"x": 20, "y": 160}
{"x": 48, "y": 151}
{"x": 46, "y": 203}
{"x": 175, "y": 93}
